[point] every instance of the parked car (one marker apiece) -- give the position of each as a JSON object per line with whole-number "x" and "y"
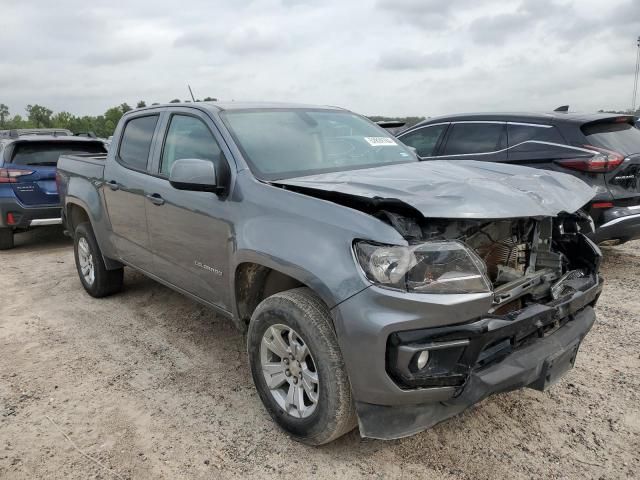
{"x": 28, "y": 193}
{"x": 56, "y": 132}
{"x": 375, "y": 289}
{"x": 603, "y": 150}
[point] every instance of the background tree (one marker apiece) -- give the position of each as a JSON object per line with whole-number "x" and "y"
{"x": 210, "y": 99}
{"x": 4, "y": 114}
{"x": 175, "y": 100}
{"x": 17, "y": 122}
{"x": 125, "y": 107}
{"x": 62, "y": 120}
{"x": 39, "y": 116}
{"x": 141, "y": 104}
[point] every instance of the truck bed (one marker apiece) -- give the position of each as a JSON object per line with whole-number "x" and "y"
{"x": 89, "y": 165}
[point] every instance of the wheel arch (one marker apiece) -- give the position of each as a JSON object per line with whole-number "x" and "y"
{"x": 256, "y": 279}
{"x": 77, "y": 212}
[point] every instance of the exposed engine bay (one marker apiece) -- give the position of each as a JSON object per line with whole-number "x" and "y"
{"x": 527, "y": 260}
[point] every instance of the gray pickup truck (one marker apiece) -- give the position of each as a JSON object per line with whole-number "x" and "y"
{"x": 374, "y": 289}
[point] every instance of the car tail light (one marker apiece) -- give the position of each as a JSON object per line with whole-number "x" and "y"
{"x": 10, "y": 175}
{"x": 602, "y": 205}
{"x": 603, "y": 161}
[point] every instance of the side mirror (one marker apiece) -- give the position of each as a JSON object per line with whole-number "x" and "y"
{"x": 194, "y": 174}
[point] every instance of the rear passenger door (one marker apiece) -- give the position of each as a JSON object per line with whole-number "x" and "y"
{"x": 190, "y": 231}
{"x": 475, "y": 140}
{"x": 126, "y": 183}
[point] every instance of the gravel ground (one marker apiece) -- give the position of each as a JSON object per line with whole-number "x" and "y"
{"x": 149, "y": 384}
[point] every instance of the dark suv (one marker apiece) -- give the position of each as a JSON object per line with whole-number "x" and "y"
{"x": 601, "y": 149}
{"x": 28, "y": 191}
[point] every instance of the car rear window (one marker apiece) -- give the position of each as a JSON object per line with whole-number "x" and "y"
{"x": 620, "y": 137}
{"x": 136, "y": 141}
{"x": 520, "y": 133}
{"x": 47, "y": 153}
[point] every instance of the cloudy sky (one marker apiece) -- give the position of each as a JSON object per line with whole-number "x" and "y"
{"x": 388, "y": 57}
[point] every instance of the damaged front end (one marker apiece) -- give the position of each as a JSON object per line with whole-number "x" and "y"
{"x": 492, "y": 290}
{"x": 542, "y": 276}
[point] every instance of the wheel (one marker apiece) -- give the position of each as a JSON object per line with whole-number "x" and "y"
{"x": 6, "y": 238}
{"x": 95, "y": 278}
{"x": 297, "y": 367}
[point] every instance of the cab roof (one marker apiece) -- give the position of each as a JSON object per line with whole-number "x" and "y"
{"x": 242, "y": 105}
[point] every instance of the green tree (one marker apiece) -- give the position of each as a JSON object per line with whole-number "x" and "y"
{"x": 113, "y": 115}
{"x": 62, "y": 120}
{"x": 141, "y": 104}
{"x": 16, "y": 122}
{"x": 4, "y": 114}
{"x": 39, "y": 116}
{"x": 124, "y": 107}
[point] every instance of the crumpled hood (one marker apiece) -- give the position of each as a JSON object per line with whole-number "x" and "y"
{"x": 459, "y": 188}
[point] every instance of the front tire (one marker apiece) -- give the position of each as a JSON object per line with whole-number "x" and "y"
{"x": 298, "y": 369}
{"x": 6, "y": 238}
{"x": 94, "y": 276}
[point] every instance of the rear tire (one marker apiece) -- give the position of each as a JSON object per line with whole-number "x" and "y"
{"x": 324, "y": 409}
{"x": 6, "y": 238}
{"x": 94, "y": 276}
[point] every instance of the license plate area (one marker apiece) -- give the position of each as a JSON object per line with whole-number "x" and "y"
{"x": 556, "y": 366}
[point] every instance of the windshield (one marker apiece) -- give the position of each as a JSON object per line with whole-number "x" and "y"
{"x": 47, "y": 153}
{"x": 619, "y": 137}
{"x": 286, "y": 143}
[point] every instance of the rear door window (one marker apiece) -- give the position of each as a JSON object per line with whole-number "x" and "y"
{"x": 620, "y": 137}
{"x": 475, "y": 137}
{"x": 425, "y": 139}
{"x": 136, "y": 142}
{"x": 47, "y": 153}
{"x": 526, "y": 136}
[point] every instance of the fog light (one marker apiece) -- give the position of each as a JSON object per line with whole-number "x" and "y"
{"x": 423, "y": 358}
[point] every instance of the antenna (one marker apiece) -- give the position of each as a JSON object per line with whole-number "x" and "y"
{"x": 191, "y": 92}
{"x": 635, "y": 82}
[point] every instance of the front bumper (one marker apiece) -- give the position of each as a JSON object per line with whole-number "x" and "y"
{"x": 542, "y": 341}
{"x": 618, "y": 223}
{"x": 536, "y": 366}
{"x": 28, "y": 217}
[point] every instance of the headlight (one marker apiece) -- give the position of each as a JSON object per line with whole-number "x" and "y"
{"x": 430, "y": 267}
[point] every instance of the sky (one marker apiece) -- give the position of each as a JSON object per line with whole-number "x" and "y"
{"x": 375, "y": 57}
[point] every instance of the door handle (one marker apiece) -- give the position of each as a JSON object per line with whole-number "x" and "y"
{"x": 155, "y": 198}
{"x": 113, "y": 185}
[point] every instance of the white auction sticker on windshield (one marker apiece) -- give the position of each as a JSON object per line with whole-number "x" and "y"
{"x": 380, "y": 141}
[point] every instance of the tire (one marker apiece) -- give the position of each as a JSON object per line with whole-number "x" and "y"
{"x": 103, "y": 282}
{"x": 333, "y": 413}
{"x": 6, "y": 238}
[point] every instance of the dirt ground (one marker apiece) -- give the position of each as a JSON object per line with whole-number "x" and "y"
{"x": 149, "y": 384}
